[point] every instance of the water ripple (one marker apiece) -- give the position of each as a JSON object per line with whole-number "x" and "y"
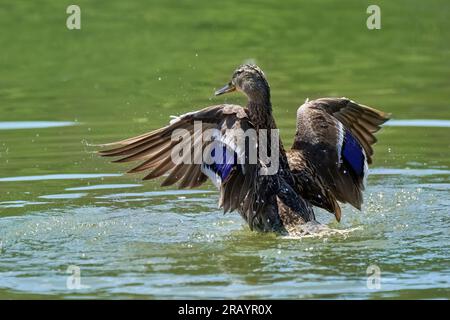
{"x": 408, "y": 172}
{"x": 104, "y": 186}
{"x": 59, "y": 177}
{"x": 153, "y": 193}
{"x": 64, "y": 196}
{"x": 14, "y": 125}
{"x": 419, "y": 123}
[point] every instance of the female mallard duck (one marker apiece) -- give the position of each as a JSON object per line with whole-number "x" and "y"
{"x": 327, "y": 163}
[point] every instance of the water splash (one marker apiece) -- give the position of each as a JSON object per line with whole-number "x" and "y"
{"x": 316, "y": 230}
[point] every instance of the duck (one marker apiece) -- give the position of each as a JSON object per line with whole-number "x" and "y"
{"x": 273, "y": 189}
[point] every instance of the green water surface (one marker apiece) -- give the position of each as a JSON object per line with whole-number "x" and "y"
{"x": 135, "y": 63}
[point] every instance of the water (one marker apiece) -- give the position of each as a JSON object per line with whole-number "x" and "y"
{"x": 13, "y": 125}
{"x": 132, "y": 66}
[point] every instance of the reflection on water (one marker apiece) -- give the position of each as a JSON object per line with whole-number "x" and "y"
{"x": 408, "y": 172}
{"x": 419, "y": 123}
{"x": 63, "y": 196}
{"x": 14, "y": 125}
{"x": 152, "y": 193}
{"x": 59, "y": 177}
{"x": 19, "y": 203}
{"x": 104, "y": 186}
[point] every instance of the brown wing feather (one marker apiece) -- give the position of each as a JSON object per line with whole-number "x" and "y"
{"x": 361, "y": 120}
{"x": 155, "y": 148}
{"x": 317, "y": 138}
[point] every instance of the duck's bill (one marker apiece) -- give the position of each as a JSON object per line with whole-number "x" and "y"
{"x": 228, "y": 88}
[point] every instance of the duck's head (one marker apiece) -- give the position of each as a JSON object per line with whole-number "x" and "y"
{"x": 250, "y": 80}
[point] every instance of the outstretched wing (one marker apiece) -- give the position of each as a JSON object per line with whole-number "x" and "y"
{"x": 192, "y": 148}
{"x": 336, "y": 135}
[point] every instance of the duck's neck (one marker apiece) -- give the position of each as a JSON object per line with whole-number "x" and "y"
{"x": 260, "y": 112}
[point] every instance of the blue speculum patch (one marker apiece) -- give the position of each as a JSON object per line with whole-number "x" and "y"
{"x": 352, "y": 153}
{"x": 224, "y": 161}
